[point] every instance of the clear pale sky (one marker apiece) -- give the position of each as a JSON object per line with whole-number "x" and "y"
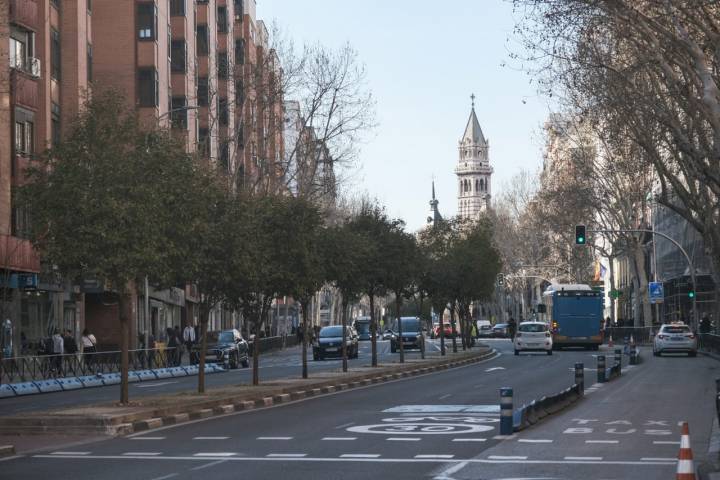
{"x": 424, "y": 59}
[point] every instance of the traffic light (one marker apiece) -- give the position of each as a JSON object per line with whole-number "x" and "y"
{"x": 500, "y": 279}
{"x": 580, "y": 237}
{"x": 691, "y": 292}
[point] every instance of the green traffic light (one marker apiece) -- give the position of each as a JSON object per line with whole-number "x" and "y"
{"x": 691, "y": 294}
{"x": 581, "y": 239}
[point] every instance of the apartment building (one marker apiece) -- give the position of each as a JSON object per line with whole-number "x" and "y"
{"x": 188, "y": 65}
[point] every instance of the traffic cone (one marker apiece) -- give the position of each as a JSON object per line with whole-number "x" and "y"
{"x": 685, "y": 466}
{"x": 632, "y": 340}
{"x": 610, "y": 342}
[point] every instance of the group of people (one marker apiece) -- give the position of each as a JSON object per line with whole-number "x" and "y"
{"x": 177, "y": 343}
{"x": 62, "y": 344}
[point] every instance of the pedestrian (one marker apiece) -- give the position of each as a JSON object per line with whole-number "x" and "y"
{"x": 180, "y": 345}
{"x": 172, "y": 346}
{"x": 151, "y": 350}
{"x": 24, "y": 345}
{"x": 89, "y": 348}
{"x": 189, "y": 339}
{"x": 58, "y": 350}
{"x": 512, "y": 326}
{"x": 705, "y": 326}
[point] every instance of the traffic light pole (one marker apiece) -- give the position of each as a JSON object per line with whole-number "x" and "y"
{"x": 687, "y": 257}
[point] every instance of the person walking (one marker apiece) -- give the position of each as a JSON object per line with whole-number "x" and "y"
{"x": 512, "y": 327}
{"x": 180, "y": 345}
{"x": 89, "y": 348}
{"x": 172, "y": 347}
{"x": 58, "y": 350}
{"x": 189, "y": 340}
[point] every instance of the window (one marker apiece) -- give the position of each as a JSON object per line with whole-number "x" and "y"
{"x": 238, "y": 10}
{"x": 89, "y": 6}
{"x": 203, "y": 42}
{"x": 222, "y": 65}
{"x": 223, "y": 111}
{"x": 177, "y": 8}
{"x": 19, "y": 137}
{"x": 55, "y": 130}
{"x": 89, "y": 62}
{"x": 239, "y": 92}
{"x": 178, "y": 56}
{"x": 222, "y": 19}
{"x": 29, "y": 138}
{"x": 55, "y": 54}
{"x": 204, "y": 141}
{"x": 20, "y": 222}
{"x": 148, "y": 87}
{"x": 239, "y": 51}
{"x": 55, "y": 3}
{"x": 179, "y": 112}
{"x": 202, "y": 91}
{"x": 225, "y": 155}
{"x": 146, "y": 21}
{"x": 18, "y": 52}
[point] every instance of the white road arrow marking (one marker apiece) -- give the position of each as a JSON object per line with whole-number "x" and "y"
{"x": 494, "y": 368}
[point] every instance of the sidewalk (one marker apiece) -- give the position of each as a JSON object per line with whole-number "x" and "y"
{"x": 29, "y": 431}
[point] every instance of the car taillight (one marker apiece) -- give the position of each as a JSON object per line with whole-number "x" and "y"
{"x": 662, "y": 337}
{"x": 691, "y": 335}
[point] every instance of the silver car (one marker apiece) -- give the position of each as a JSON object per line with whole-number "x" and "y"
{"x": 675, "y": 338}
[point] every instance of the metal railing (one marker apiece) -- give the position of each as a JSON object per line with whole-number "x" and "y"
{"x": 709, "y": 342}
{"x": 42, "y": 367}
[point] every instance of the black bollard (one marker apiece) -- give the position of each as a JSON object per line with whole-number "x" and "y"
{"x": 601, "y": 369}
{"x": 506, "y": 411}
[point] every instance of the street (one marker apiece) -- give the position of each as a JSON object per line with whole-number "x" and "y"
{"x": 442, "y": 425}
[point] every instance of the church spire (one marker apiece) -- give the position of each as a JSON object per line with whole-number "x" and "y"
{"x": 473, "y": 133}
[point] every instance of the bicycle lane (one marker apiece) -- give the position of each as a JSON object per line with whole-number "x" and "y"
{"x": 627, "y": 428}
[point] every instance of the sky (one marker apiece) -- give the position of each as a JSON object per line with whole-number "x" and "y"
{"x": 424, "y": 59}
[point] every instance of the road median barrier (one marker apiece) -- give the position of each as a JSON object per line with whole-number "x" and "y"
{"x": 113, "y": 420}
{"x": 533, "y": 412}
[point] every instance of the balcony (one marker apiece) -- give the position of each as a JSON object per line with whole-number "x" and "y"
{"x": 24, "y": 89}
{"x": 18, "y": 254}
{"x": 24, "y": 13}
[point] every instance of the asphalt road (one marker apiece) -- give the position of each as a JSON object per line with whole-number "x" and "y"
{"x": 273, "y": 365}
{"x": 442, "y": 425}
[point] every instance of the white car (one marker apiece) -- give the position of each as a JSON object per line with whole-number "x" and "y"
{"x": 675, "y": 338}
{"x": 533, "y": 336}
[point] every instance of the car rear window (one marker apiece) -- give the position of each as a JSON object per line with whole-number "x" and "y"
{"x": 683, "y": 329}
{"x": 334, "y": 331}
{"x": 533, "y": 327}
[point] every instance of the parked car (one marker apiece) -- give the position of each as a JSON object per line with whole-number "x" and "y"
{"x": 675, "y": 338}
{"x": 484, "y": 328}
{"x": 387, "y": 334}
{"x": 227, "y": 347}
{"x": 362, "y": 325}
{"x": 500, "y": 330}
{"x": 330, "y": 341}
{"x": 533, "y": 336}
{"x": 446, "y": 327}
{"x": 412, "y": 335}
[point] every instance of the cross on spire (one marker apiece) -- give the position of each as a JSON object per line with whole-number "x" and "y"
{"x": 472, "y": 97}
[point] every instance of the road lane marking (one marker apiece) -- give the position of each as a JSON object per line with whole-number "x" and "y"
{"x": 140, "y": 454}
{"x": 147, "y": 438}
{"x": 70, "y": 453}
{"x": 658, "y": 459}
{"x": 447, "y": 395}
{"x": 214, "y": 454}
{"x": 165, "y": 477}
{"x": 158, "y": 384}
{"x": 602, "y": 441}
{"x": 469, "y": 440}
{"x": 210, "y": 438}
{"x": 434, "y": 456}
{"x": 274, "y": 438}
{"x": 403, "y": 439}
{"x": 582, "y": 459}
{"x": 286, "y": 455}
{"x": 504, "y": 457}
{"x": 445, "y": 474}
{"x": 360, "y": 455}
{"x": 665, "y": 442}
{"x": 208, "y": 465}
{"x": 339, "y": 439}
{"x": 494, "y": 368}
{"x": 344, "y": 425}
{"x": 371, "y": 459}
{"x": 534, "y": 440}
{"x": 503, "y": 437}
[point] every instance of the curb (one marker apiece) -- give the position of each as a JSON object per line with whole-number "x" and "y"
{"x": 7, "y": 450}
{"x": 159, "y": 417}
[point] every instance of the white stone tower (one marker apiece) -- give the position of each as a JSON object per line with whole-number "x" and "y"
{"x": 473, "y": 170}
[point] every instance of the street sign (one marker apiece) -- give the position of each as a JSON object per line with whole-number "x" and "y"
{"x": 656, "y": 292}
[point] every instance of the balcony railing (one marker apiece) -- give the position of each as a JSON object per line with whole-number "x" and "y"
{"x": 18, "y": 254}
{"x": 24, "y": 89}
{"x": 25, "y": 13}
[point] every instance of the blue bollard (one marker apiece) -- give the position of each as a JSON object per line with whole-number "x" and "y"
{"x": 580, "y": 377}
{"x": 601, "y": 369}
{"x": 506, "y": 411}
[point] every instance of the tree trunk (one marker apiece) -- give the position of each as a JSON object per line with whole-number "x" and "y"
{"x": 643, "y": 284}
{"x": 344, "y": 333}
{"x": 373, "y": 331}
{"x": 304, "y": 330}
{"x": 442, "y": 333}
{"x": 204, "y": 320}
{"x": 123, "y": 305}
{"x": 452, "y": 325}
{"x": 612, "y": 287}
{"x": 398, "y": 302}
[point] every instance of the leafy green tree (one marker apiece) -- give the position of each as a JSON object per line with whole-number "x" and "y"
{"x": 108, "y": 202}
{"x": 401, "y": 270}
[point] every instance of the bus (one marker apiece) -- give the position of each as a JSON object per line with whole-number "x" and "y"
{"x": 574, "y": 312}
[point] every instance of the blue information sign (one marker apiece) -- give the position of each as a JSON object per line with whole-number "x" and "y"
{"x": 656, "y": 291}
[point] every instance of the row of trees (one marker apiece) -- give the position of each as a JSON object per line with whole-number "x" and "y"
{"x": 642, "y": 78}
{"x": 120, "y": 202}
